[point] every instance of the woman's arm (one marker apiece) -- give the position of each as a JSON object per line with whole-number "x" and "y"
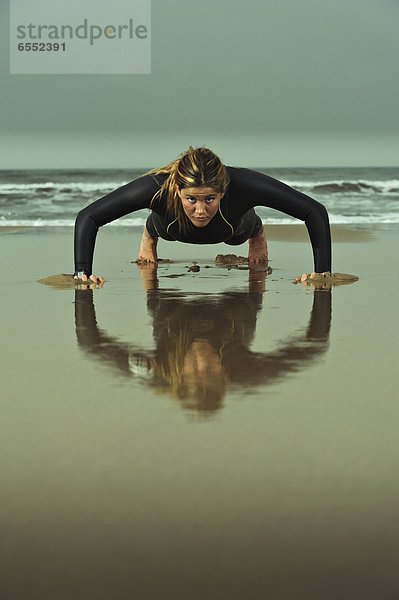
{"x": 262, "y": 190}
{"x": 133, "y": 196}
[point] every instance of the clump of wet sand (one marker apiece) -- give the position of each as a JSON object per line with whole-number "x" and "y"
{"x": 194, "y": 268}
{"x": 63, "y": 281}
{"x": 230, "y": 259}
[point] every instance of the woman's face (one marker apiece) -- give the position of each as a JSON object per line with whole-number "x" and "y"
{"x": 200, "y": 204}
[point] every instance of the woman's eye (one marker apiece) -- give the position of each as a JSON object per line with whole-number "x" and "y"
{"x": 193, "y": 200}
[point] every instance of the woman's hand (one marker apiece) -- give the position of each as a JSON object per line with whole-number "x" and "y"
{"x": 148, "y": 249}
{"x": 312, "y": 277}
{"x": 257, "y": 250}
{"x": 92, "y": 280}
{"x": 326, "y": 279}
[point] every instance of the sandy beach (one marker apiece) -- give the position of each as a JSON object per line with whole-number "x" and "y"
{"x": 211, "y": 434}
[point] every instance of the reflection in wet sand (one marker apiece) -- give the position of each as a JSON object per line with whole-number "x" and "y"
{"x": 203, "y": 342}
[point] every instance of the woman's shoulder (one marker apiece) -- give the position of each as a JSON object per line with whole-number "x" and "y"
{"x": 241, "y": 173}
{"x": 146, "y": 185}
{"x": 159, "y": 178}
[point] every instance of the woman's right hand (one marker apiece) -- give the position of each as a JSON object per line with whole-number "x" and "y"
{"x": 148, "y": 249}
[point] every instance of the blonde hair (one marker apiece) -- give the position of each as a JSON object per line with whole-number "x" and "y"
{"x": 196, "y": 167}
{"x": 202, "y": 395}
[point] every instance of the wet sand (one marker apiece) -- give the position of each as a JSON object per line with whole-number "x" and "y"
{"x": 211, "y": 434}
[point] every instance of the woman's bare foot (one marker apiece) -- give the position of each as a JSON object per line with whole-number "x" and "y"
{"x": 257, "y": 252}
{"x": 148, "y": 248}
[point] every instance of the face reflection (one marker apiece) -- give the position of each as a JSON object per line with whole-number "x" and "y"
{"x": 200, "y": 204}
{"x": 201, "y": 361}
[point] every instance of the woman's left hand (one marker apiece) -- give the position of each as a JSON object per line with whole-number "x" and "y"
{"x": 325, "y": 280}
{"x": 312, "y": 277}
{"x": 93, "y": 280}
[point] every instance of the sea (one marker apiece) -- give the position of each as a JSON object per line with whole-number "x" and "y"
{"x": 52, "y": 198}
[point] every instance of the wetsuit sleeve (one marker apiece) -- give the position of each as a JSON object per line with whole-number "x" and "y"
{"x": 262, "y": 190}
{"x": 133, "y": 196}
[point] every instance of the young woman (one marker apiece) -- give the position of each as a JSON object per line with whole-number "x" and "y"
{"x": 197, "y": 199}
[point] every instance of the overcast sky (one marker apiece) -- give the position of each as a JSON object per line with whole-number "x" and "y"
{"x": 261, "y": 82}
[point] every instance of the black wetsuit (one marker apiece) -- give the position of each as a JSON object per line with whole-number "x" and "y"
{"x": 234, "y": 223}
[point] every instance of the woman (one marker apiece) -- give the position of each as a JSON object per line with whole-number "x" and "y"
{"x": 196, "y": 199}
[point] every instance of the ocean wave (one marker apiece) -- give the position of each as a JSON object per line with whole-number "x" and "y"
{"x": 82, "y": 187}
{"x": 340, "y": 186}
{"x": 97, "y": 189}
{"x": 53, "y": 199}
{"x": 334, "y": 220}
